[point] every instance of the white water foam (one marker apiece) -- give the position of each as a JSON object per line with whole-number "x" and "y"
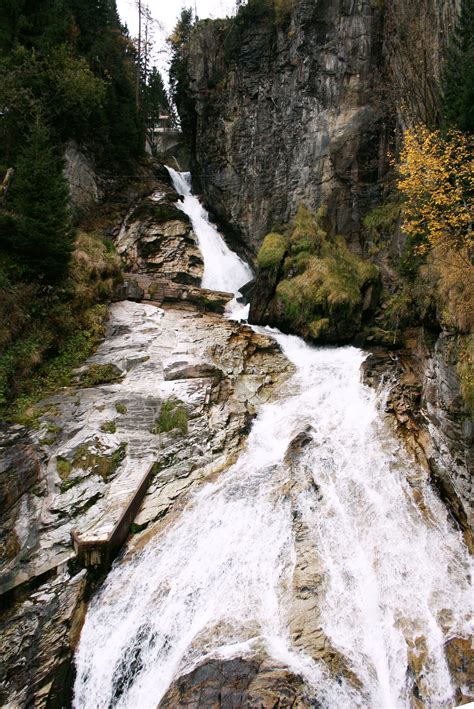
{"x": 223, "y": 269}
{"x": 218, "y": 581}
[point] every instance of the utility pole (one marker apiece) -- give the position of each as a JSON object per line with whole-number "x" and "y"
{"x": 137, "y": 88}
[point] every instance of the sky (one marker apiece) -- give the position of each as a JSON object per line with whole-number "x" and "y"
{"x": 167, "y": 13}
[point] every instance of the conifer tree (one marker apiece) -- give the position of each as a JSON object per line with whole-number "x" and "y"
{"x": 459, "y": 75}
{"x": 179, "y": 80}
{"x": 41, "y": 232}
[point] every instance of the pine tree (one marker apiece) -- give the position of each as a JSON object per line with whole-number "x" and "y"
{"x": 179, "y": 80}
{"x": 42, "y": 235}
{"x": 154, "y": 99}
{"x": 459, "y": 75}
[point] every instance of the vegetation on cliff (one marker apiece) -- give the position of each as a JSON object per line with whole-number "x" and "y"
{"x": 437, "y": 182}
{"x": 67, "y": 72}
{"x": 321, "y": 283}
{"x": 458, "y": 83}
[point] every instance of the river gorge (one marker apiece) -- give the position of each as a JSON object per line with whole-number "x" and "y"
{"x": 287, "y": 548}
{"x": 321, "y": 556}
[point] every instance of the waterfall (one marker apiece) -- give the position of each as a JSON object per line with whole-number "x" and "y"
{"x": 223, "y": 269}
{"x": 218, "y": 582}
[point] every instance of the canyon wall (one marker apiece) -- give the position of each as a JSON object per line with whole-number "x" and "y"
{"x": 304, "y": 108}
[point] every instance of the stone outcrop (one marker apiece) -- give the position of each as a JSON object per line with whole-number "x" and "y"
{"x": 290, "y": 114}
{"x": 95, "y": 441}
{"x": 221, "y": 684}
{"x": 427, "y": 405}
{"x": 302, "y": 108}
{"x": 20, "y": 474}
{"x": 156, "y": 237}
{"x": 37, "y": 636}
{"x": 163, "y": 291}
{"x": 82, "y": 179}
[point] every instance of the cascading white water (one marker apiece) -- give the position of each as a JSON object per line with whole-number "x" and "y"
{"x": 218, "y": 581}
{"x": 223, "y": 269}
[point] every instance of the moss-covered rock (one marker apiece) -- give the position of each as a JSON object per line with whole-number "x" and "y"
{"x": 158, "y": 212}
{"x": 172, "y": 416}
{"x": 98, "y": 374}
{"x": 89, "y": 459}
{"x": 272, "y": 251}
{"x": 322, "y": 292}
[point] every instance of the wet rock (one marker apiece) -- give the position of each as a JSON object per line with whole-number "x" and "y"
{"x": 227, "y": 684}
{"x": 37, "y": 638}
{"x": 426, "y": 403}
{"x": 156, "y": 237}
{"x": 460, "y": 657}
{"x": 106, "y": 439}
{"x": 297, "y": 446}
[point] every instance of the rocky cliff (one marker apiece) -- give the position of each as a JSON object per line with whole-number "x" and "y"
{"x": 303, "y": 108}
{"x": 168, "y": 396}
{"x": 288, "y": 114}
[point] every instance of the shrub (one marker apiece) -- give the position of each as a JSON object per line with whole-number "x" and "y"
{"x": 436, "y": 178}
{"x": 272, "y": 251}
{"x": 380, "y": 222}
{"x": 324, "y": 281}
{"x": 172, "y": 415}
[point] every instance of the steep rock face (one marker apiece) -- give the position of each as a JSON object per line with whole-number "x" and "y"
{"x": 416, "y": 37}
{"x": 156, "y": 237}
{"x": 82, "y": 179}
{"x": 305, "y": 110}
{"x": 290, "y": 114}
{"x": 428, "y": 407}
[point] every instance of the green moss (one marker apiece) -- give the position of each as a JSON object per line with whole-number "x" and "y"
{"x": 64, "y": 467}
{"x": 109, "y": 427}
{"x": 324, "y": 282}
{"x": 121, "y": 408}
{"x": 172, "y": 416}
{"x": 87, "y": 458}
{"x": 45, "y": 333}
{"x": 409, "y": 305}
{"x": 318, "y": 328}
{"x": 98, "y": 374}
{"x": 380, "y": 223}
{"x": 272, "y": 251}
{"x": 308, "y": 234}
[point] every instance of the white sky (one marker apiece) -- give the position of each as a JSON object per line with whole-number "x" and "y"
{"x": 167, "y": 13}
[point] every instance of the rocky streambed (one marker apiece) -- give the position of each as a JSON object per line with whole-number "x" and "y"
{"x": 275, "y": 543}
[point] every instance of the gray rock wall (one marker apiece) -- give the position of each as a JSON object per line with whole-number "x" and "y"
{"x": 81, "y": 177}
{"x": 289, "y": 115}
{"x": 306, "y": 112}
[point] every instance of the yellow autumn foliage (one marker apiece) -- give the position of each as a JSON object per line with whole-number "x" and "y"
{"x": 436, "y": 177}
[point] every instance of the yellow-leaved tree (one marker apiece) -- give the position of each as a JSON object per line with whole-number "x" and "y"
{"x": 436, "y": 177}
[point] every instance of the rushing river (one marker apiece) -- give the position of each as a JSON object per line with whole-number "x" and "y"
{"x": 218, "y": 582}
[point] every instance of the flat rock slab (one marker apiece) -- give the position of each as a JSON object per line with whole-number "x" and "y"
{"x": 96, "y": 444}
